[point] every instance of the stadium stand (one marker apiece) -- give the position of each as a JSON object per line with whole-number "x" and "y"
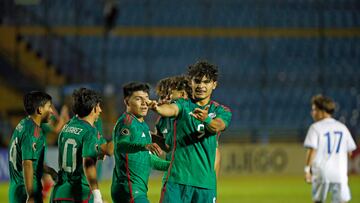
{"x": 274, "y": 55}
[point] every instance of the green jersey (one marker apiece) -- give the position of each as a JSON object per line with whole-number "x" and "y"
{"x": 164, "y": 127}
{"x": 133, "y": 162}
{"x": 78, "y": 139}
{"x": 195, "y": 145}
{"x": 99, "y": 126}
{"x": 27, "y": 143}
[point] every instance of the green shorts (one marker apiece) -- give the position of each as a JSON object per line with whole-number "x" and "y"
{"x": 17, "y": 194}
{"x": 120, "y": 193}
{"x": 178, "y": 193}
{"x": 67, "y": 192}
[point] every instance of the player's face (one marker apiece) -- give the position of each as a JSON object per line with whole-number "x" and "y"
{"x": 46, "y": 111}
{"x": 176, "y": 94}
{"x": 202, "y": 87}
{"x": 97, "y": 111}
{"x": 136, "y": 104}
{"x": 316, "y": 113}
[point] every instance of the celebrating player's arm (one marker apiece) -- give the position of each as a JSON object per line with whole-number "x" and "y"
{"x": 89, "y": 164}
{"x": 125, "y": 145}
{"x": 90, "y": 153}
{"x": 28, "y": 156}
{"x": 107, "y": 148}
{"x": 165, "y": 110}
{"x": 214, "y": 125}
{"x": 28, "y": 179}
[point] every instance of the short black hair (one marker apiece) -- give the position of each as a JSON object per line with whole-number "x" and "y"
{"x": 324, "y": 103}
{"x": 203, "y": 68}
{"x": 180, "y": 83}
{"x": 84, "y": 100}
{"x": 132, "y": 87}
{"x": 35, "y": 99}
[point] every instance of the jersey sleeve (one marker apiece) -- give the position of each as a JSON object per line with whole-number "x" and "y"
{"x": 311, "y": 140}
{"x": 224, "y": 113}
{"x": 350, "y": 143}
{"x": 158, "y": 126}
{"x": 122, "y": 136}
{"x": 89, "y": 145}
{"x": 101, "y": 138}
{"x": 180, "y": 103}
{"x": 28, "y": 146}
{"x": 158, "y": 163}
{"x": 99, "y": 126}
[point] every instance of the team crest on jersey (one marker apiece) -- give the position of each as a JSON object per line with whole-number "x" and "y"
{"x": 125, "y": 131}
{"x": 212, "y": 115}
{"x": 143, "y": 135}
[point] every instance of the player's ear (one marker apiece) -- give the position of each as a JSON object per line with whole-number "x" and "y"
{"x": 183, "y": 94}
{"x": 215, "y": 85}
{"x": 38, "y": 111}
{"x": 126, "y": 102}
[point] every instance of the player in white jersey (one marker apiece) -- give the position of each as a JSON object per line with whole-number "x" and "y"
{"x": 328, "y": 143}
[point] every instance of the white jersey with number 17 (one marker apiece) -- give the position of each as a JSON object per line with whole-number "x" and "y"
{"x": 332, "y": 142}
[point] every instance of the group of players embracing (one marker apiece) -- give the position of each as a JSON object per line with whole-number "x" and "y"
{"x": 188, "y": 128}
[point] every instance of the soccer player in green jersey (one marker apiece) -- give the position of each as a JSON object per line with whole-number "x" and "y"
{"x": 178, "y": 88}
{"x": 107, "y": 148}
{"x": 133, "y": 150}
{"x": 199, "y": 121}
{"x": 163, "y": 124}
{"x": 79, "y": 142}
{"x": 27, "y": 150}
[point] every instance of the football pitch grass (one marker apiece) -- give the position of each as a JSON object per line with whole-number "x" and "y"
{"x": 267, "y": 189}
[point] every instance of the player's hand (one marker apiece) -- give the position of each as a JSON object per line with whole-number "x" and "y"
{"x": 200, "y": 114}
{"x": 53, "y": 174}
{"x": 308, "y": 177}
{"x": 101, "y": 157}
{"x": 152, "y": 104}
{"x": 154, "y": 148}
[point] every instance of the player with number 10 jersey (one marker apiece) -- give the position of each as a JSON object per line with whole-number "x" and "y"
{"x": 79, "y": 143}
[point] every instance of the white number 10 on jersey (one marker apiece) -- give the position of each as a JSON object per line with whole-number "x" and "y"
{"x": 70, "y": 144}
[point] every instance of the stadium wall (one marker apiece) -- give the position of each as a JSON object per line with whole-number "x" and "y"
{"x": 236, "y": 159}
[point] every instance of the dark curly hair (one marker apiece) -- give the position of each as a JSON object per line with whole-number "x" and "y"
{"x": 84, "y": 100}
{"x": 163, "y": 87}
{"x": 181, "y": 82}
{"x": 203, "y": 68}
